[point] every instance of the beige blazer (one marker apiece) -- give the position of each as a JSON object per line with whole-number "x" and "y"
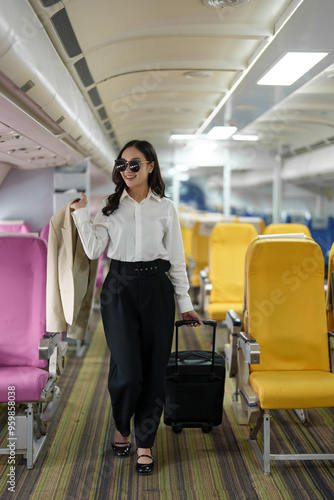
{"x": 71, "y": 278}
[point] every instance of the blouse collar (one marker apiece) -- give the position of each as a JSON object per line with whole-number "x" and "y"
{"x": 150, "y": 194}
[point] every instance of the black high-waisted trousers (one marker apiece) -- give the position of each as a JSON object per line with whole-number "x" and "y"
{"x": 138, "y": 312}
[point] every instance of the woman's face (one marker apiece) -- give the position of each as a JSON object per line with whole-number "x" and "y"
{"x": 136, "y": 179}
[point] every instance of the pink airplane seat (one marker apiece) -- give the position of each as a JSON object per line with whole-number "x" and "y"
{"x": 15, "y": 228}
{"x": 25, "y": 346}
{"x": 45, "y": 233}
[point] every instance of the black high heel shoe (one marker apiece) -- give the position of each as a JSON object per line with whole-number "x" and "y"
{"x": 145, "y": 469}
{"x": 121, "y": 451}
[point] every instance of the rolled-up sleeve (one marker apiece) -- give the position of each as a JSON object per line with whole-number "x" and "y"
{"x": 94, "y": 236}
{"x": 178, "y": 274}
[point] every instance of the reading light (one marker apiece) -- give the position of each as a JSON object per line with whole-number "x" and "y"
{"x": 291, "y": 67}
{"x": 221, "y": 133}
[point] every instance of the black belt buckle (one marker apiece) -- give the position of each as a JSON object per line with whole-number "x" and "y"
{"x": 140, "y": 270}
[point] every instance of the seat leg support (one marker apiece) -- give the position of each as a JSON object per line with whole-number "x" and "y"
{"x": 30, "y": 436}
{"x": 265, "y": 456}
{"x": 302, "y": 415}
{"x": 257, "y": 426}
{"x": 266, "y": 442}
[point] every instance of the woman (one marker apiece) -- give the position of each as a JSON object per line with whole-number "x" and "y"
{"x": 137, "y": 297}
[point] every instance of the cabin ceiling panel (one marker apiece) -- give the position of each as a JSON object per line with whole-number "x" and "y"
{"x": 123, "y": 43}
{"x": 150, "y": 80}
{"x": 135, "y": 19}
{"x": 178, "y": 52}
{"x": 120, "y": 42}
{"x": 160, "y": 103}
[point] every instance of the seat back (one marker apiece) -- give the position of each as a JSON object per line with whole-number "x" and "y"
{"x": 45, "y": 232}
{"x": 13, "y": 227}
{"x": 187, "y": 222}
{"x": 285, "y": 303}
{"x": 228, "y": 245}
{"x": 23, "y": 261}
{"x": 200, "y": 246}
{"x": 330, "y": 291}
{"x": 286, "y": 228}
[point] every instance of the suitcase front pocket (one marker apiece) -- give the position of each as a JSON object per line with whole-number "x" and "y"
{"x": 188, "y": 402}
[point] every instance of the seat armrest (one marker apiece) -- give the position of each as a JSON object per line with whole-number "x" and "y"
{"x": 47, "y": 345}
{"x": 205, "y": 288}
{"x": 250, "y": 349}
{"x": 205, "y": 281}
{"x": 233, "y": 321}
{"x": 331, "y": 350}
{"x": 203, "y": 274}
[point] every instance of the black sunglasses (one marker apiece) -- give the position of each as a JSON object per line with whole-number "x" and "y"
{"x": 134, "y": 165}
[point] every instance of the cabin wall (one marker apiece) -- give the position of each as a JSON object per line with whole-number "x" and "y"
{"x": 259, "y": 199}
{"x": 28, "y": 195}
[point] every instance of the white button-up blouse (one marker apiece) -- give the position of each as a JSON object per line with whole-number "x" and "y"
{"x": 142, "y": 231}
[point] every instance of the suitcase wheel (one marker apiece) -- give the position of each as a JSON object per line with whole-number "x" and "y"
{"x": 207, "y": 428}
{"x": 177, "y": 428}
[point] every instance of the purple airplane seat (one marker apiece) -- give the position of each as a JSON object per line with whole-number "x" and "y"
{"x": 15, "y": 228}
{"x": 25, "y": 346}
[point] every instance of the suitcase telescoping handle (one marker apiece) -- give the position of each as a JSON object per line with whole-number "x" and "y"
{"x": 181, "y": 322}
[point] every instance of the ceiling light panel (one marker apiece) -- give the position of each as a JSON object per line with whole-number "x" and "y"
{"x": 291, "y": 67}
{"x": 221, "y": 133}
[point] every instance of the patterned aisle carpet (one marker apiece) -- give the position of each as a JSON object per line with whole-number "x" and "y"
{"x": 77, "y": 462}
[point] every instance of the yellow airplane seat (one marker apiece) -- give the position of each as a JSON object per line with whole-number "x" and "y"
{"x": 330, "y": 293}
{"x": 187, "y": 221}
{"x": 283, "y": 345}
{"x": 285, "y": 228}
{"x": 200, "y": 247}
{"x": 228, "y": 245}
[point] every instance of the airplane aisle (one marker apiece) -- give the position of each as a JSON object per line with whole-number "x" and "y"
{"x": 77, "y": 461}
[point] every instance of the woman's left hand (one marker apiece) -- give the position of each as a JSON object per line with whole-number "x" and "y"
{"x": 192, "y": 315}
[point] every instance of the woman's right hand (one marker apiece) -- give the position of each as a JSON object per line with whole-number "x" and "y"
{"x": 80, "y": 203}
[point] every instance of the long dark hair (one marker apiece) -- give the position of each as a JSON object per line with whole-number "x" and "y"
{"x": 155, "y": 181}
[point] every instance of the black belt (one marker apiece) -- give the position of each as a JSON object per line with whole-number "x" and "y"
{"x": 140, "y": 269}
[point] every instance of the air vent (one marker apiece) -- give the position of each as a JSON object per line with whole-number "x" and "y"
{"x": 65, "y": 32}
{"x": 107, "y": 125}
{"x": 49, "y": 3}
{"x": 224, "y": 3}
{"x": 60, "y": 119}
{"x": 27, "y": 86}
{"x": 102, "y": 113}
{"x": 95, "y": 96}
{"x": 82, "y": 69}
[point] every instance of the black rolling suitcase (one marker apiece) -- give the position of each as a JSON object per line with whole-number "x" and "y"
{"x": 194, "y": 386}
